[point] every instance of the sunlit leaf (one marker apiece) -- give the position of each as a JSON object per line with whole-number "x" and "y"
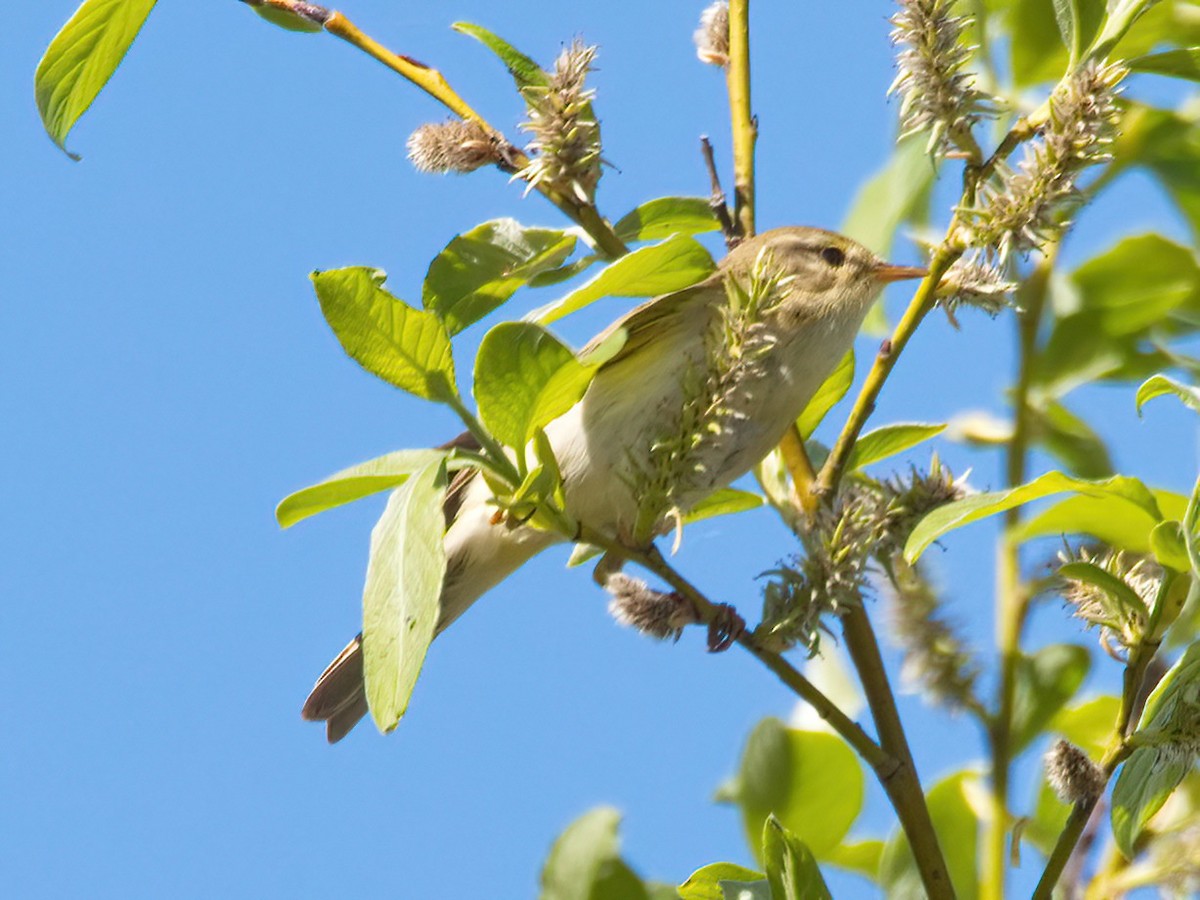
{"x": 1167, "y": 144}
{"x": 832, "y": 390}
{"x": 1160, "y": 385}
{"x": 723, "y": 502}
{"x": 380, "y": 474}
{"x": 1184, "y": 63}
{"x": 665, "y": 216}
{"x": 791, "y": 869}
{"x": 962, "y": 512}
{"x": 812, "y": 781}
{"x": 1109, "y": 519}
{"x": 674, "y": 264}
{"x": 402, "y": 593}
{"x": 82, "y": 58}
{"x": 957, "y": 827}
{"x": 1045, "y": 681}
{"x": 525, "y": 72}
{"x": 585, "y": 862}
{"x": 406, "y": 347}
{"x": 705, "y": 883}
{"x": 525, "y": 378}
{"x": 1168, "y": 752}
{"x": 480, "y": 269}
{"x": 889, "y": 440}
{"x": 1138, "y": 282}
{"x": 1088, "y": 725}
{"x": 861, "y": 856}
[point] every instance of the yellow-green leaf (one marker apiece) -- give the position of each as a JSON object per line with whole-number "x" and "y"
{"x": 525, "y": 378}
{"x": 82, "y": 58}
{"x": 832, "y": 390}
{"x": 665, "y": 216}
{"x": 402, "y": 593}
{"x": 889, "y": 440}
{"x": 672, "y": 265}
{"x": 406, "y": 347}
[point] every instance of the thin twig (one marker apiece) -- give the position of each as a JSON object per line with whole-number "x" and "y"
{"x": 717, "y": 197}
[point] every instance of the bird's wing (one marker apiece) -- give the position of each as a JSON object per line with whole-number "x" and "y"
{"x": 649, "y": 323}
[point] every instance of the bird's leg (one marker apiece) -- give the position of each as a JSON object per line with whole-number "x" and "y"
{"x": 725, "y": 628}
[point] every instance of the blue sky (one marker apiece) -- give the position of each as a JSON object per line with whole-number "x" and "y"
{"x": 166, "y": 377}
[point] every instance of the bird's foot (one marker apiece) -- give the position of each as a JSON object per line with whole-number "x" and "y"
{"x": 725, "y": 628}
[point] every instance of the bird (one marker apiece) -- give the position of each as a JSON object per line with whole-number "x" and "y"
{"x": 706, "y": 381}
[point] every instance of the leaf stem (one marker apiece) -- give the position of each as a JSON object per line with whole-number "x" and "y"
{"x": 500, "y": 462}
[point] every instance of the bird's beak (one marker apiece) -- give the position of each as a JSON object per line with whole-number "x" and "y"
{"x": 888, "y": 273}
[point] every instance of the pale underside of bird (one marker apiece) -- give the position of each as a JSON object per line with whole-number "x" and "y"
{"x": 701, "y": 389}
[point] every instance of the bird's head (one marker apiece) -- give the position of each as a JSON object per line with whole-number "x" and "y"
{"x": 828, "y": 274}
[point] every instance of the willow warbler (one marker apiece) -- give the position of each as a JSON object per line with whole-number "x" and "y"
{"x": 706, "y": 382}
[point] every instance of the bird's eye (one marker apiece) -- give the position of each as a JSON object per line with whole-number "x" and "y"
{"x": 833, "y": 256}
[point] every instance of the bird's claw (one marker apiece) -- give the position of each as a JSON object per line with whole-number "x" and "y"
{"x": 725, "y": 628}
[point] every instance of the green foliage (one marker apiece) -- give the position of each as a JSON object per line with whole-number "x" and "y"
{"x": 810, "y": 780}
{"x": 585, "y": 862}
{"x": 1046, "y": 680}
{"x": 406, "y": 347}
{"x": 1184, "y": 63}
{"x": 707, "y": 883}
{"x": 671, "y": 265}
{"x": 403, "y": 587}
{"x": 832, "y": 390}
{"x": 1161, "y": 385}
{"x": 888, "y": 440}
{"x": 724, "y": 502}
{"x": 791, "y": 869}
{"x": 1108, "y": 518}
{"x": 1169, "y": 733}
{"x": 665, "y": 216}
{"x": 945, "y": 519}
{"x": 82, "y": 58}
{"x": 380, "y": 474}
{"x": 481, "y": 268}
{"x": 525, "y": 378}
{"x": 525, "y": 72}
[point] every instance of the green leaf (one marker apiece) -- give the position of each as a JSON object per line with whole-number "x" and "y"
{"x": 1110, "y": 519}
{"x": 672, "y": 265}
{"x": 792, "y": 870}
{"x": 897, "y": 193}
{"x": 746, "y": 890}
{"x": 862, "y": 857}
{"x": 1168, "y": 729}
{"x": 480, "y": 269}
{"x": 1167, "y": 144}
{"x": 1071, "y": 440}
{"x": 524, "y": 379}
{"x": 705, "y": 883}
{"x": 832, "y": 390}
{"x": 402, "y": 593}
{"x": 1037, "y": 53}
{"x": 585, "y": 862}
{"x": 812, "y": 781}
{"x": 406, "y": 347}
{"x": 957, "y": 827}
{"x": 1169, "y": 546}
{"x": 1137, "y": 282}
{"x": 525, "y": 72}
{"x": 962, "y": 512}
{"x": 723, "y": 502}
{"x": 380, "y": 474}
{"x": 82, "y": 58}
{"x": 1158, "y": 385}
{"x": 287, "y": 20}
{"x": 1045, "y": 681}
{"x": 1184, "y": 63}
{"x": 665, "y": 216}
{"x": 889, "y": 440}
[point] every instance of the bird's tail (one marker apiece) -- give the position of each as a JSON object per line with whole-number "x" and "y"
{"x": 479, "y": 555}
